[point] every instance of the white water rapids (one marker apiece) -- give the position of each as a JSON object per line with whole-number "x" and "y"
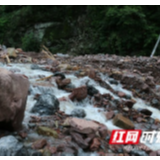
{"x": 92, "y": 113}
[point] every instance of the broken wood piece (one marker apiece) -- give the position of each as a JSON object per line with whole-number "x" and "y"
{"x": 8, "y": 60}
{"x": 45, "y": 78}
{"x": 46, "y": 51}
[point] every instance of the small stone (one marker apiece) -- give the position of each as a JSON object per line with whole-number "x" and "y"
{"x": 130, "y": 103}
{"x": 154, "y": 153}
{"x": 158, "y": 153}
{"x": 121, "y": 94}
{"x": 53, "y": 149}
{"x": 95, "y": 144}
{"x": 123, "y": 122}
{"x": 110, "y": 115}
{"x": 39, "y": 144}
{"x": 113, "y": 82}
{"x": 92, "y": 90}
{"x": 47, "y": 131}
{"x": 80, "y": 113}
{"x": 126, "y": 109}
{"x": 79, "y": 93}
{"x": 70, "y": 87}
{"x": 63, "y": 82}
{"x": 146, "y": 112}
{"x": 155, "y": 102}
{"x": 58, "y": 74}
{"x": 138, "y": 153}
{"x": 35, "y": 66}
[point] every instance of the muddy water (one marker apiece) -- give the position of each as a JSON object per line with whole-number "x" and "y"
{"x": 92, "y": 113}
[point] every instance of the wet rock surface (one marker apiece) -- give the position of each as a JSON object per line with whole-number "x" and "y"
{"x": 46, "y": 105}
{"x": 80, "y": 113}
{"x": 9, "y": 146}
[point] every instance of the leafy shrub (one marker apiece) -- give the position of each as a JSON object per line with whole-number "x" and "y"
{"x": 30, "y": 43}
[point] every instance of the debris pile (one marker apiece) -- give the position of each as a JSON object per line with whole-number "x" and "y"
{"x": 74, "y": 102}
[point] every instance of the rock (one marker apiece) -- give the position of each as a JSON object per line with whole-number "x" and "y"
{"x": 79, "y": 93}
{"x": 92, "y": 73}
{"x": 35, "y": 66}
{"x": 61, "y": 75}
{"x": 79, "y": 140}
{"x": 121, "y": 94}
{"x": 158, "y": 152}
{"x": 11, "y": 52}
{"x": 70, "y": 87}
{"x": 81, "y": 125}
{"x": 65, "y": 66}
{"x": 13, "y": 95}
{"x": 110, "y": 154}
{"x": 80, "y": 113}
{"x": 146, "y": 112}
{"x": 52, "y": 62}
{"x": 113, "y": 82}
{"x": 103, "y": 131}
{"x": 154, "y": 153}
{"x": 39, "y": 144}
{"x": 95, "y": 144}
{"x": 47, "y": 131}
{"x": 84, "y": 126}
{"x": 110, "y": 115}
{"x": 129, "y": 103}
{"x": 47, "y": 104}
{"x": 92, "y": 90}
{"x": 139, "y": 119}
{"x": 9, "y": 146}
{"x": 126, "y": 109}
{"x": 62, "y": 83}
{"x": 19, "y": 50}
{"x": 145, "y": 88}
{"x": 23, "y": 152}
{"x": 32, "y": 152}
{"x": 150, "y": 81}
{"x": 123, "y": 122}
{"x": 155, "y": 102}
{"x": 52, "y": 150}
{"x": 138, "y": 153}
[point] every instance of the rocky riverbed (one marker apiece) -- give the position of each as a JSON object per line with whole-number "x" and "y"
{"x": 74, "y": 102}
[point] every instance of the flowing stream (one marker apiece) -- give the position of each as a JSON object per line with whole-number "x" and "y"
{"x": 92, "y": 113}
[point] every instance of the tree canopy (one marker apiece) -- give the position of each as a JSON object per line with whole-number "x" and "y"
{"x": 122, "y": 30}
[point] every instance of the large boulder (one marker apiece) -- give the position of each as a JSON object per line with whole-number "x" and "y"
{"x": 13, "y": 95}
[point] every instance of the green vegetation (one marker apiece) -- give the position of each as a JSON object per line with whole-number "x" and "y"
{"x": 122, "y": 30}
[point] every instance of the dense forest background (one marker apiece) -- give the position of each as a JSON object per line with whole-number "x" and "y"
{"x": 121, "y": 30}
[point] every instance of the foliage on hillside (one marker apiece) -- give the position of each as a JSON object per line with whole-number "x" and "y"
{"x": 122, "y": 30}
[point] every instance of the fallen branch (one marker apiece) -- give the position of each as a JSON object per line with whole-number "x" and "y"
{"x": 46, "y": 51}
{"x": 8, "y": 60}
{"x": 45, "y": 78}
